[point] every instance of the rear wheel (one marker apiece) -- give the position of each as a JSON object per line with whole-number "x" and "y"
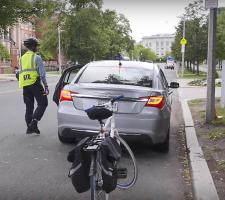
{"x": 96, "y": 186}
{"x": 128, "y": 164}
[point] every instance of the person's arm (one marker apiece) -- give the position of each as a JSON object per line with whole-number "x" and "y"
{"x": 41, "y": 71}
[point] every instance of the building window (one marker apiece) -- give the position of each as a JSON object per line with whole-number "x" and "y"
{"x": 162, "y": 43}
{"x": 157, "y": 44}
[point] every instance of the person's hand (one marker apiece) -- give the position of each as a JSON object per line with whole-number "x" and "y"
{"x": 46, "y": 91}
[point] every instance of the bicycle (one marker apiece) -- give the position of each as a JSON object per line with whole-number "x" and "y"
{"x": 101, "y": 112}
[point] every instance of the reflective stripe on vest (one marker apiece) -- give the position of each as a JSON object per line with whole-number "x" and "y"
{"x": 28, "y": 74}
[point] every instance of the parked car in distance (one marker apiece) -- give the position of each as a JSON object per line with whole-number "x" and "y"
{"x": 143, "y": 113}
{"x": 170, "y": 63}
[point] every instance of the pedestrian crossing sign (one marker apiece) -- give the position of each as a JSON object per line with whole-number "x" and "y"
{"x": 183, "y": 41}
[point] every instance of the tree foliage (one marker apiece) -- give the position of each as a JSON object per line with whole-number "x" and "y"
{"x": 13, "y": 10}
{"x": 92, "y": 34}
{"x": 143, "y": 54}
{"x": 4, "y": 54}
{"x": 196, "y": 32}
{"x": 80, "y": 4}
{"x": 49, "y": 40}
{"x": 220, "y": 44}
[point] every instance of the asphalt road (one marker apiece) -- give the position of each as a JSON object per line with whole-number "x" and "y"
{"x": 35, "y": 167}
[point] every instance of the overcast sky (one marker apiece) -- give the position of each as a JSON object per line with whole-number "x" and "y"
{"x": 149, "y": 17}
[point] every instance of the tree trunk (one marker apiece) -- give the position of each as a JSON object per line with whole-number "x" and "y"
{"x": 197, "y": 67}
{"x": 193, "y": 64}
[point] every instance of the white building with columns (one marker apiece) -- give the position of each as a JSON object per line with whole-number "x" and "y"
{"x": 159, "y": 43}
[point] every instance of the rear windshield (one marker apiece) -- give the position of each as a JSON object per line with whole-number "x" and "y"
{"x": 117, "y": 75}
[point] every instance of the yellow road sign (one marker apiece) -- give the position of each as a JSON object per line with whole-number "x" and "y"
{"x": 183, "y": 41}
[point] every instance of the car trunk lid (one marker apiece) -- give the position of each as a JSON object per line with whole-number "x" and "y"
{"x": 88, "y": 95}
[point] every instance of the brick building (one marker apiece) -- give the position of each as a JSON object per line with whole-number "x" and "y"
{"x": 13, "y": 41}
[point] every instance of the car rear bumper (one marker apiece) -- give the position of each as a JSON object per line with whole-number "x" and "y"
{"x": 136, "y": 126}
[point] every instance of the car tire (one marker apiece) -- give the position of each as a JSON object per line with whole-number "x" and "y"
{"x": 164, "y": 146}
{"x": 66, "y": 140}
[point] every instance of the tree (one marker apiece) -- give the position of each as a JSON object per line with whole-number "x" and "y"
{"x": 92, "y": 34}
{"x": 196, "y": 34}
{"x": 13, "y": 10}
{"x": 4, "y": 54}
{"x": 49, "y": 40}
{"x": 51, "y": 14}
{"x": 220, "y": 44}
{"x": 118, "y": 29}
{"x": 85, "y": 39}
{"x": 77, "y": 5}
{"x": 141, "y": 53}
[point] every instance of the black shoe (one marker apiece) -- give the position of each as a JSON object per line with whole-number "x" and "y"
{"x": 29, "y": 131}
{"x": 33, "y": 127}
{"x": 37, "y": 131}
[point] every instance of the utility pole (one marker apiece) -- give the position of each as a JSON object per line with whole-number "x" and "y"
{"x": 210, "y": 101}
{"x": 59, "y": 53}
{"x": 183, "y": 48}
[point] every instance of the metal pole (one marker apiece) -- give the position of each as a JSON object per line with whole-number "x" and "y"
{"x": 20, "y": 39}
{"x": 59, "y": 55}
{"x": 210, "y": 101}
{"x": 183, "y": 49}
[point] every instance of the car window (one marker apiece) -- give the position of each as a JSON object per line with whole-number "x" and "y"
{"x": 117, "y": 75}
{"x": 70, "y": 75}
{"x": 163, "y": 79}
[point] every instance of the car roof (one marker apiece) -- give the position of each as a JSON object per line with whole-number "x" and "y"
{"x": 110, "y": 63}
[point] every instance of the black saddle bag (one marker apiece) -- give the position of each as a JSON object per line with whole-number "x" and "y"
{"x": 110, "y": 152}
{"x": 79, "y": 171}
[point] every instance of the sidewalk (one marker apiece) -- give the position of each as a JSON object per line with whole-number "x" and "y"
{"x": 202, "y": 182}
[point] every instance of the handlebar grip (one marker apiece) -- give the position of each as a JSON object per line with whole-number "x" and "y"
{"x": 117, "y": 98}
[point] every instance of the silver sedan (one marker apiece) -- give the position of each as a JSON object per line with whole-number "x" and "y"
{"x": 143, "y": 114}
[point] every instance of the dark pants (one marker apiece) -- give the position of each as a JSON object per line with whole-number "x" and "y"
{"x": 30, "y": 93}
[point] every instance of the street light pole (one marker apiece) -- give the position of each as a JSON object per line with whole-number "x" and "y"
{"x": 59, "y": 53}
{"x": 183, "y": 49}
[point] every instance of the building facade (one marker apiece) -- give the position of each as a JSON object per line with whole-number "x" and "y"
{"x": 13, "y": 41}
{"x": 160, "y": 44}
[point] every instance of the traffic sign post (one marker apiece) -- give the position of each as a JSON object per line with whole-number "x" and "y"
{"x": 209, "y": 4}
{"x": 183, "y": 42}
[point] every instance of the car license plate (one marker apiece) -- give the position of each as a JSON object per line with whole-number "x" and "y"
{"x": 115, "y": 105}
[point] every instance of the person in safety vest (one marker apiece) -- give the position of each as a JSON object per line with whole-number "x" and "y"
{"x": 32, "y": 78}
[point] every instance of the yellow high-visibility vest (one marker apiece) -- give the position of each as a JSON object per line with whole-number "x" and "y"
{"x": 28, "y": 74}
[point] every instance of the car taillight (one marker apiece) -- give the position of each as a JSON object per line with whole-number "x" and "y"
{"x": 65, "y": 95}
{"x": 155, "y": 101}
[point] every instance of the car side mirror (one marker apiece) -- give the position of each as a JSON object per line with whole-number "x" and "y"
{"x": 174, "y": 85}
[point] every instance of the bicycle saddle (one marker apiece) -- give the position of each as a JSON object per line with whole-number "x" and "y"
{"x": 98, "y": 112}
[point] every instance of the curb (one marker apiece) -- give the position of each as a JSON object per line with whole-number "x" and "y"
{"x": 202, "y": 181}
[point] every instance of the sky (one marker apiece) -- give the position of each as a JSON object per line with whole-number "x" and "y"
{"x": 150, "y": 17}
